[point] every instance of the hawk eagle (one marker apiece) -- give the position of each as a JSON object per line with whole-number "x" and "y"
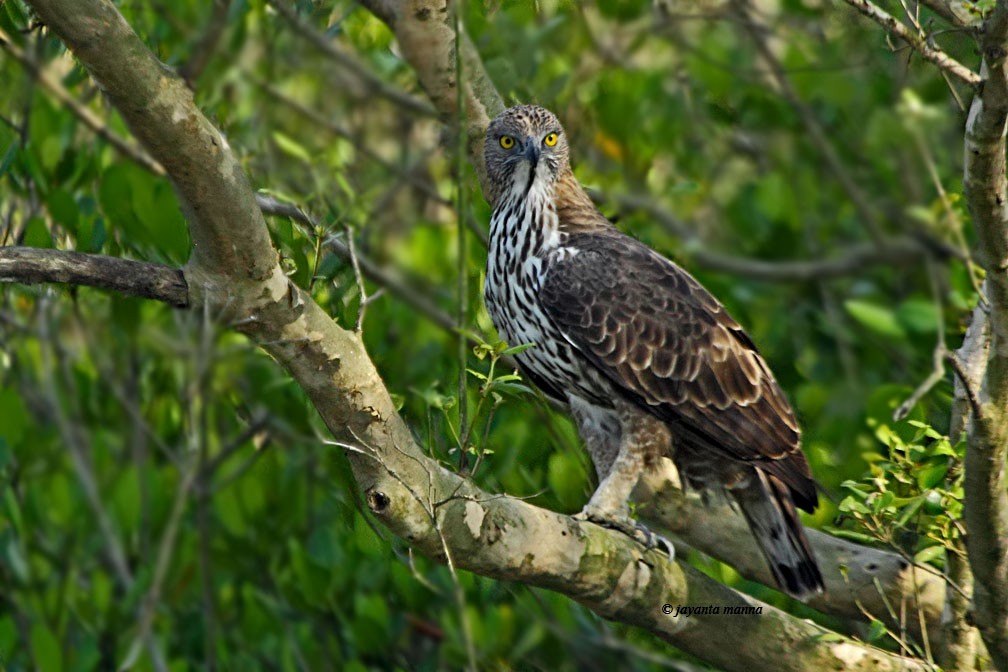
{"x": 649, "y": 363}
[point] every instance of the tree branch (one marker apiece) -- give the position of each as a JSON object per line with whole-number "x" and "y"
{"x": 986, "y": 500}
{"x": 350, "y": 62}
{"x": 426, "y": 37}
{"x": 158, "y": 107}
{"x": 918, "y": 42}
{"x": 955, "y": 13}
{"x": 848, "y": 261}
{"x": 858, "y": 578}
{"x": 134, "y": 278}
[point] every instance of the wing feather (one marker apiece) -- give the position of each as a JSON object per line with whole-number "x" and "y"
{"x": 654, "y": 331}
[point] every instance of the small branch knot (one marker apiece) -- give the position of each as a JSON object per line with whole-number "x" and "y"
{"x": 378, "y": 501}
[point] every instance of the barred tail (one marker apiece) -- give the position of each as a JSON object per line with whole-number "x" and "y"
{"x": 767, "y": 505}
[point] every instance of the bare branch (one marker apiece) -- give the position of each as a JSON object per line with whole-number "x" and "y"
{"x": 921, "y": 44}
{"x": 134, "y": 278}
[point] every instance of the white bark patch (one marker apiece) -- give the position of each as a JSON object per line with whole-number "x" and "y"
{"x": 473, "y": 518}
{"x": 850, "y": 654}
{"x": 635, "y": 576}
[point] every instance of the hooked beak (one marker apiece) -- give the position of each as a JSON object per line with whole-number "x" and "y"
{"x": 531, "y": 151}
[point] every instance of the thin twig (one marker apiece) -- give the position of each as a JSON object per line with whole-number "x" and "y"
{"x": 370, "y": 270}
{"x": 848, "y": 261}
{"x": 928, "y": 52}
{"x": 939, "y": 355}
{"x": 355, "y": 263}
{"x": 971, "y": 393}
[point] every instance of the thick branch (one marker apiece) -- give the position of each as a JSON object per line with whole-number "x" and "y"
{"x": 28, "y": 265}
{"x": 438, "y": 512}
{"x": 858, "y": 578}
{"x": 986, "y": 500}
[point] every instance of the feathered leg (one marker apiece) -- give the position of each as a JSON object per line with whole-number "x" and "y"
{"x": 638, "y": 443}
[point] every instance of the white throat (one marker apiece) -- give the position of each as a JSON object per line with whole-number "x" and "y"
{"x": 526, "y": 223}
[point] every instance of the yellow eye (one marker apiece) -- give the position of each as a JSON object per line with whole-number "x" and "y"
{"x": 507, "y": 142}
{"x": 550, "y": 140}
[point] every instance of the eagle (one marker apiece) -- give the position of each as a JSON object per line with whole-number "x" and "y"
{"x": 649, "y": 363}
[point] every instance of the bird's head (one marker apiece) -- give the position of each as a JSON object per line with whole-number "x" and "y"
{"x": 525, "y": 147}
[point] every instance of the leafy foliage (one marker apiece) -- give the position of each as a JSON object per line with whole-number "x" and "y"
{"x": 121, "y": 421}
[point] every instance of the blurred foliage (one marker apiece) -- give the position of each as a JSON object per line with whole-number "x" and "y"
{"x": 115, "y": 411}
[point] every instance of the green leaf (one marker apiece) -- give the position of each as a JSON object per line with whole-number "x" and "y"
{"x": 15, "y": 416}
{"x": 514, "y": 389}
{"x": 14, "y": 558}
{"x": 13, "y": 510}
{"x": 930, "y": 553}
{"x": 46, "y": 649}
{"x": 37, "y": 234}
{"x": 851, "y": 505}
{"x": 909, "y": 511}
{"x": 290, "y": 146}
{"x": 877, "y": 318}
{"x": 516, "y": 349}
{"x": 930, "y": 475}
{"x": 859, "y": 537}
{"x": 918, "y": 316}
{"x": 876, "y": 630}
{"x": 64, "y": 209}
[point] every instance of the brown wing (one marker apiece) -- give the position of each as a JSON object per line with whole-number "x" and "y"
{"x": 665, "y": 341}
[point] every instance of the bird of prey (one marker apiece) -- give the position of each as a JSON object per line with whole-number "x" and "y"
{"x": 648, "y": 361}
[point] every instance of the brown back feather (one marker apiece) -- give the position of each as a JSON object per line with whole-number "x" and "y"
{"x": 654, "y": 331}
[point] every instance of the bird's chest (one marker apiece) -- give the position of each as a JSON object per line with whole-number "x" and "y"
{"x": 522, "y": 239}
{"x": 515, "y": 272}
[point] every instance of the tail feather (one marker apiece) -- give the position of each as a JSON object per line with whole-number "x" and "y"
{"x": 768, "y": 507}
